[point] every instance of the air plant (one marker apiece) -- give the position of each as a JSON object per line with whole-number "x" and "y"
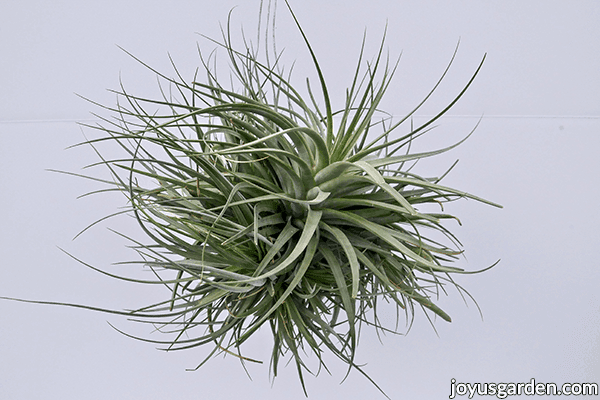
{"x": 264, "y": 209}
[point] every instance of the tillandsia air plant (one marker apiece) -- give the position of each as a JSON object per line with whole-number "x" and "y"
{"x": 264, "y": 209}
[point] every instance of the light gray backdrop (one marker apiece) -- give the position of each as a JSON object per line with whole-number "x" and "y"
{"x": 536, "y": 152}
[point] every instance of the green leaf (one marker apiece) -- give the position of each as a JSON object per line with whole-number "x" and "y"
{"x": 350, "y": 254}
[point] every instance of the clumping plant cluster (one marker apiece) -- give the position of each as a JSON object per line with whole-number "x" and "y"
{"x": 263, "y": 209}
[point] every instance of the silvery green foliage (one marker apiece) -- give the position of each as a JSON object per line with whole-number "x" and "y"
{"x": 263, "y": 209}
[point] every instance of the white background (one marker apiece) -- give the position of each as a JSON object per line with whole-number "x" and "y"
{"x": 536, "y": 152}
